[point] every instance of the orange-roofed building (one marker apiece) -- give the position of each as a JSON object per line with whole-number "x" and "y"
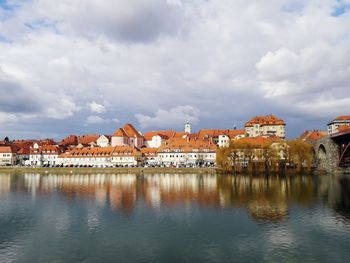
{"x": 44, "y": 155}
{"x": 186, "y": 151}
{"x": 71, "y": 140}
{"x": 220, "y": 137}
{"x": 8, "y": 155}
{"x": 150, "y": 155}
{"x": 23, "y": 153}
{"x": 268, "y": 125}
{"x": 101, "y": 156}
{"x": 127, "y": 136}
{"x": 312, "y": 135}
{"x": 88, "y": 140}
{"x": 340, "y": 121}
{"x": 154, "y": 139}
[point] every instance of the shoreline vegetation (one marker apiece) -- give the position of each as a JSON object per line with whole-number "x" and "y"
{"x": 295, "y": 156}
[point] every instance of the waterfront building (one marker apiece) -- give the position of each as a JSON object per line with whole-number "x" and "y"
{"x": 101, "y": 156}
{"x": 265, "y": 126}
{"x": 186, "y": 151}
{"x": 127, "y": 136}
{"x": 8, "y": 155}
{"x": 340, "y": 121}
{"x": 150, "y": 156}
{"x": 44, "y": 155}
{"x": 23, "y": 154}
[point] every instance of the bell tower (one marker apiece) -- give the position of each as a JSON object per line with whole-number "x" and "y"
{"x": 188, "y": 127}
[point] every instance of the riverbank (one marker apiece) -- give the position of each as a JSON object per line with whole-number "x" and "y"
{"x": 119, "y": 170}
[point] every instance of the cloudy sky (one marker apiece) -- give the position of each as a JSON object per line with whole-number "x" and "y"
{"x": 87, "y": 66}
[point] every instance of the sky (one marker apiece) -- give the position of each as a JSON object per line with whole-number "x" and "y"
{"x": 87, "y": 66}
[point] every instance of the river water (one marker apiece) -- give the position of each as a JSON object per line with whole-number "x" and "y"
{"x": 173, "y": 218}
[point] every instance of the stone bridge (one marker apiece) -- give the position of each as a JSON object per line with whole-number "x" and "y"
{"x": 332, "y": 153}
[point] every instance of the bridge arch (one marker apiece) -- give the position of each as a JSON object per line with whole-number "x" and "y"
{"x": 322, "y": 156}
{"x": 344, "y": 160}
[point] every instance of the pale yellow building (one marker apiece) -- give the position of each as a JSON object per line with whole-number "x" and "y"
{"x": 266, "y": 126}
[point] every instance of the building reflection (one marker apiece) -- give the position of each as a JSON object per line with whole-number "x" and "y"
{"x": 5, "y": 184}
{"x": 266, "y": 198}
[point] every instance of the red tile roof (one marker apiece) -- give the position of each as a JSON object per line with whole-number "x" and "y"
{"x": 120, "y": 133}
{"x": 46, "y": 149}
{"x": 343, "y": 118}
{"x": 87, "y": 152}
{"x": 259, "y": 141}
{"x": 202, "y": 134}
{"x": 23, "y": 151}
{"x": 7, "y": 149}
{"x": 187, "y": 145}
{"x": 166, "y": 134}
{"x": 89, "y": 138}
{"x": 149, "y": 151}
{"x": 312, "y": 135}
{"x": 127, "y": 131}
{"x": 265, "y": 120}
{"x": 343, "y": 128}
{"x": 69, "y": 140}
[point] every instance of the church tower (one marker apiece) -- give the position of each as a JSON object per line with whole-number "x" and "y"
{"x": 188, "y": 127}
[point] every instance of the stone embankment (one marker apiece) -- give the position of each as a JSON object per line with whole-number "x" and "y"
{"x": 138, "y": 170}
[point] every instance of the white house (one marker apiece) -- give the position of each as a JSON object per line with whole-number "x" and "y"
{"x": 44, "y": 155}
{"x": 7, "y": 155}
{"x": 186, "y": 151}
{"x": 341, "y": 121}
{"x": 104, "y": 141}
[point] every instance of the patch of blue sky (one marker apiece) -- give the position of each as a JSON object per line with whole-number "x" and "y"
{"x": 42, "y": 23}
{"x": 340, "y": 9}
{"x": 4, "y": 4}
{"x": 4, "y": 39}
{"x": 293, "y": 7}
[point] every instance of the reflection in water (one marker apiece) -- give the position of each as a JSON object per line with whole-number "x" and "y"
{"x": 264, "y": 198}
{"x": 173, "y": 218}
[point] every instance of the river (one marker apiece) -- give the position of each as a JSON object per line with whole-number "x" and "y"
{"x": 173, "y": 218}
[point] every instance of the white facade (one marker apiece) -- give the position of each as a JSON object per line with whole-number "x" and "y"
{"x": 224, "y": 140}
{"x": 188, "y": 127}
{"x": 7, "y": 159}
{"x": 156, "y": 142}
{"x": 266, "y": 130}
{"x": 103, "y": 141}
{"x": 44, "y": 155}
{"x": 99, "y": 161}
{"x": 186, "y": 158}
{"x": 35, "y": 159}
{"x": 333, "y": 126}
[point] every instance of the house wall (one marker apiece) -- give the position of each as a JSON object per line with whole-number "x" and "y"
{"x": 7, "y": 159}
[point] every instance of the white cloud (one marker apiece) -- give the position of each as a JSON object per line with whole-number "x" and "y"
{"x": 93, "y": 119}
{"x": 115, "y": 120}
{"x": 169, "y": 118}
{"x": 227, "y": 59}
{"x": 96, "y": 108}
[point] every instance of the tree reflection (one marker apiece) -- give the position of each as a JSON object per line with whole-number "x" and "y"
{"x": 265, "y": 198}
